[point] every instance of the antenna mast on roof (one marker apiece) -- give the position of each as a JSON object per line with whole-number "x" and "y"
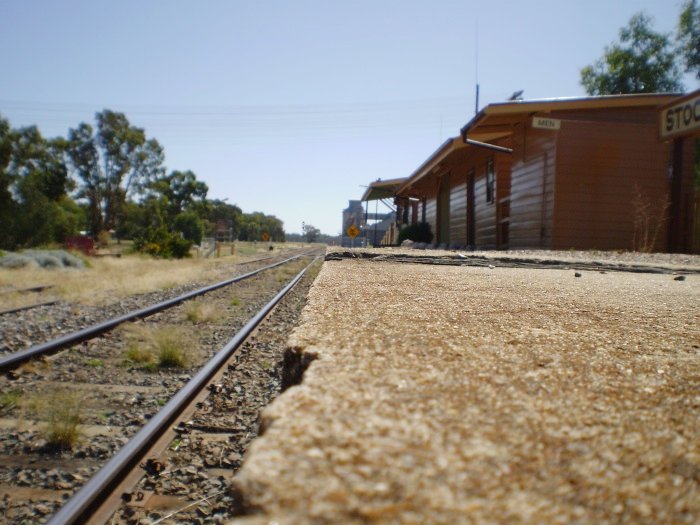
{"x": 476, "y": 66}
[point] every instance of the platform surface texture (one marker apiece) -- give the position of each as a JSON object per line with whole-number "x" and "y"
{"x": 462, "y": 394}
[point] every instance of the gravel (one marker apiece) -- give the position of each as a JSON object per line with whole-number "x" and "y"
{"x": 199, "y": 465}
{"x": 452, "y": 394}
{"x": 117, "y": 396}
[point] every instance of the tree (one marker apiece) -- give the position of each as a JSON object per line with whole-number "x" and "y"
{"x": 310, "y": 233}
{"x": 85, "y": 162}
{"x": 41, "y": 183}
{"x": 110, "y": 163}
{"x": 7, "y": 203}
{"x": 177, "y": 195}
{"x": 217, "y": 211}
{"x": 190, "y": 226}
{"x": 642, "y": 62}
{"x": 253, "y": 225}
{"x": 33, "y": 189}
{"x": 689, "y": 37}
{"x": 181, "y": 189}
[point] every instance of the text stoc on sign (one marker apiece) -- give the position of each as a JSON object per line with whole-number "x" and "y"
{"x": 681, "y": 118}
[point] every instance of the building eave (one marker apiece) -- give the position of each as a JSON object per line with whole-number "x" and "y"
{"x": 382, "y": 189}
{"x": 493, "y": 120}
{"x": 432, "y": 162}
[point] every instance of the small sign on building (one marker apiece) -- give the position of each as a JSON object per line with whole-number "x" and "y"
{"x": 681, "y": 118}
{"x": 546, "y": 123}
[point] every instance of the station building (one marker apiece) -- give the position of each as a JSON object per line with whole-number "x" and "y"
{"x": 582, "y": 173}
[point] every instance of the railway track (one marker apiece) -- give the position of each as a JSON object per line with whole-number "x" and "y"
{"x": 116, "y": 394}
{"x": 16, "y": 358}
{"x": 21, "y": 330}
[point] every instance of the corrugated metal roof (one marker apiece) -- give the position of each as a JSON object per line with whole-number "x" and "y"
{"x": 433, "y": 161}
{"x": 382, "y": 189}
{"x": 496, "y": 115}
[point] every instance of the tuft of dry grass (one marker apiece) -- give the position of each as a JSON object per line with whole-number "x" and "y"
{"x": 284, "y": 274}
{"x": 160, "y": 347}
{"x": 200, "y": 311}
{"x": 62, "y": 411}
{"x": 649, "y": 216}
{"x": 9, "y": 400}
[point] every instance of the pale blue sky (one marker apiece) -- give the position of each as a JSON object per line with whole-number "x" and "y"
{"x": 289, "y": 107}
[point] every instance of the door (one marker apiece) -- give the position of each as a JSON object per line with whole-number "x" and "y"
{"x": 443, "y": 236}
{"x": 471, "y": 229}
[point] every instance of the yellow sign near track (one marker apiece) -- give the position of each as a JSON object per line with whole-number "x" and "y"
{"x": 353, "y": 231}
{"x": 265, "y": 236}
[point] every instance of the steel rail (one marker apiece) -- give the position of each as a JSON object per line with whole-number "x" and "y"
{"x": 27, "y": 307}
{"x": 79, "y": 508}
{"x": 13, "y": 360}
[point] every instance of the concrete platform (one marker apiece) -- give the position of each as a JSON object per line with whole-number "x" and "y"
{"x": 477, "y": 394}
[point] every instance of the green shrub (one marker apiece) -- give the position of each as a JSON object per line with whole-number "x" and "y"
{"x": 178, "y": 247}
{"x": 419, "y": 232}
{"x": 159, "y": 242}
{"x": 41, "y": 258}
{"x": 190, "y": 226}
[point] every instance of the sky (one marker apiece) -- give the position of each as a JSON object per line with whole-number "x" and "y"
{"x": 292, "y": 107}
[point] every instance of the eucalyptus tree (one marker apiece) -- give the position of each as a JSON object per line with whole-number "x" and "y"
{"x": 34, "y": 185}
{"x": 182, "y": 191}
{"x": 689, "y": 37}
{"x": 112, "y": 162}
{"x": 6, "y": 201}
{"x": 643, "y": 61}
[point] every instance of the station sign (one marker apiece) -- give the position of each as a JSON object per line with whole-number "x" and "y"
{"x": 546, "y": 123}
{"x": 680, "y": 118}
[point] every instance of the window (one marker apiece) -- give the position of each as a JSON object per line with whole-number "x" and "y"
{"x": 490, "y": 182}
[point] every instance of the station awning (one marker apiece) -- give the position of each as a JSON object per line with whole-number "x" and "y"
{"x": 382, "y": 189}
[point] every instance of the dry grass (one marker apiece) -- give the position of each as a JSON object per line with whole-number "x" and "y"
{"x": 159, "y": 347}
{"x": 649, "y": 216}
{"x": 9, "y": 400}
{"x": 109, "y": 278}
{"x": 62, "y": 410}
{"x": 284, "y": 274}
{"x": 199, "y": 311}
{"x": 10, "y": 299}
{"x": 235, "y": 300}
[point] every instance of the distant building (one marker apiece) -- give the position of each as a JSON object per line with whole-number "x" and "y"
{"x": 384, "y": 231}
{"x": 353, "y": 215}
